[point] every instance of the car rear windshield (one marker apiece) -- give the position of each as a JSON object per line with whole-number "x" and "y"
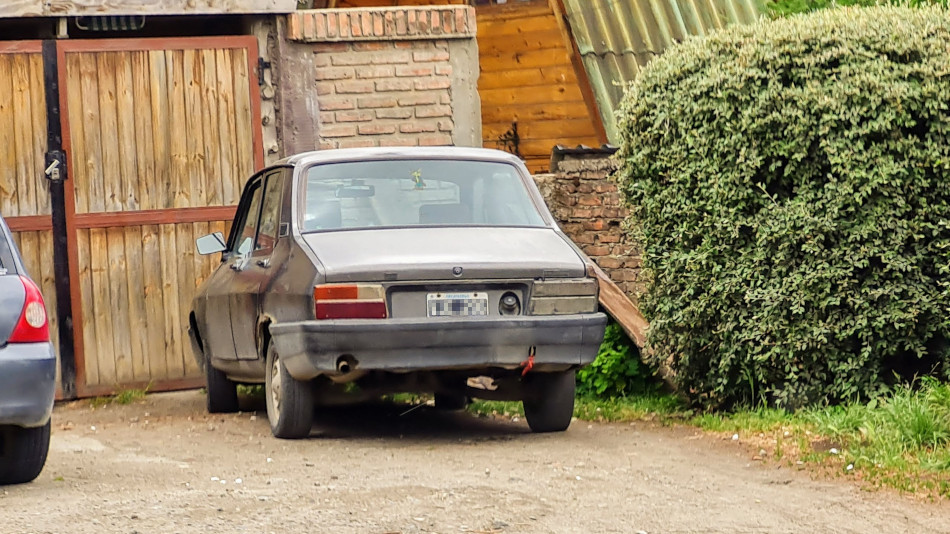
{"x": 401, "y": 193}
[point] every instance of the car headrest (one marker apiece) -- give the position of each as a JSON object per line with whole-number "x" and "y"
{"x": 445, "y": 214}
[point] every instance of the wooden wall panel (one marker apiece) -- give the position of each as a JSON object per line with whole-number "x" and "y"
{"x": 527, "y": 78}
{"x": 23, "y": 189}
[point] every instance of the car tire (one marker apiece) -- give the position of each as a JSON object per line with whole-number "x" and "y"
{"x": 22, "y": 453}
{"x": 289, "y": 401}
{"x": 549, "y": 401}
{"x": 222, "y": 392}
{"x": 449, "y": 402}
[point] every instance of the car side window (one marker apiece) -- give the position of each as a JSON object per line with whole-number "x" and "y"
{"x": 270, "y": 214}
{"x": 245, "y": 241}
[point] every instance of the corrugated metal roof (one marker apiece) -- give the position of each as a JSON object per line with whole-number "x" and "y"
{"x": 617, "y": 37}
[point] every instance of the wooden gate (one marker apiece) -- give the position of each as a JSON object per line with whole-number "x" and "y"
{"x": 160, "y": 135}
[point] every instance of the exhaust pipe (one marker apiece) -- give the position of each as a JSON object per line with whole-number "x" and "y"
{"x": 345, "y": 364}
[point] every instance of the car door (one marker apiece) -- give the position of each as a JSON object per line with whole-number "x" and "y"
{"x": 256, "y": 246}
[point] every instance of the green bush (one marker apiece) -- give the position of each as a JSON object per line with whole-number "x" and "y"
{"x": 617, "y": 371}
{"x": 790, "y": 183}
{"x": 791, "y": 7}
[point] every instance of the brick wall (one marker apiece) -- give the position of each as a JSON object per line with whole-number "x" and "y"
{"x": 588, "y": 207}
{"x": 385, "y": 77}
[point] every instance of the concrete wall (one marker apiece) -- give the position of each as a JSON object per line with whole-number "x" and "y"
{"x": 378, "y": 77}
{"x": 588, "y": 207}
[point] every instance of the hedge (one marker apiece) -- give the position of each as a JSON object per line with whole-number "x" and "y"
{"x": 791, "y": 7}
{"x": 789, "y": 183}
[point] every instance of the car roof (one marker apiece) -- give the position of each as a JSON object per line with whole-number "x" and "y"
{"x": 415, "y": 152}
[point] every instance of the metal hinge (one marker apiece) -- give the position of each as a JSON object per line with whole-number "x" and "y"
{"x": 261, "y": 65}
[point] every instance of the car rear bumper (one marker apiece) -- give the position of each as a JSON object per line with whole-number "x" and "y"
{"x": 27, "y": 383}
{"x": 311, "y": 348}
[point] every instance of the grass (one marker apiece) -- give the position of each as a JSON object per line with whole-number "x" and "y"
{"x": 123, "y": 396}
{"x": 900, "y": 441}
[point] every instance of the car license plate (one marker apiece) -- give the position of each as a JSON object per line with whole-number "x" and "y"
{"x": 456, "y": 304}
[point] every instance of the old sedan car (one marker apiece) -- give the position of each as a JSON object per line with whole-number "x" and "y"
{"x": 27, "y": 370}
{"x": 355, "y": 273}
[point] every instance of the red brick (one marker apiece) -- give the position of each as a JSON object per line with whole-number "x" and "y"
{"x": 606, "y": 187}
{"x": 393, "y": 85}
{"x": 324, "y": 88}
{"x": 354, "y": 116}
{"x": 354, "y": 86}
{"x": 338, "y": 130}
{"x": 328, "y": 145}
{"x": 386, "y": 57}
{"x": 424, "y": 99}
{"x": 417, "y": 127}
{"x": 359, "y": 142}
{"x": 321, "y": 60}
{"x": 435, "y": 139}
{"x": 582, "y": 213}
{"x": 327, "y": 117}
{"x": 445, "y": 99}
{"x": 336, "y": 73}
{"x": 596, "y": 250}
{"x": 446, "y": 126}
{"x": 583, "y": 238}
{"x": 398, "y": 141}
{"x": 588, "y": 200}
{"x": 334, "y": 104}
{"x": 594, "y": 224}
{"x": 336, "y": 48}
{"x": 633, "y": 262}
{"x": 375, "y": 71}
{"x": 377, "y": 129}
{"x": 378, "y": 29}
{"x": 585, "y": 188}
{"x": 371, "y": 46}
{"x": 608, "y": 238}
{"x": 429, "y": 84}
{"x": 402, "y": 26}
{"x": 377, "y": 102}
{"x": 443, "y": 70}
{"x": 424, "y": 56}
{"x": 424, "y": 112}
{"x": 344, "y": 59}
{"x": 607, "y": 262}
{"x": 393, "y": 113}
{"x": 366, "y": 23}
{"x": 414, "y": 71}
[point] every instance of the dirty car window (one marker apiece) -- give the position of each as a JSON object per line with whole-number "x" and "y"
{"x": 398, "y": 193}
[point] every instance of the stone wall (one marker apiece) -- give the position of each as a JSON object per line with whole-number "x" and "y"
{"x": 379, "y": 77}
{"x": 588, "y": 207}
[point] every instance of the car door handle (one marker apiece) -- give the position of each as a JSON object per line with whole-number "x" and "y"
{"x": 265, "y": 263}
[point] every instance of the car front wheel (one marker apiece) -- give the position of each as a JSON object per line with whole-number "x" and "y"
{"x": 22, "y": 453}
{"x": 289, "y": 401}
{"x": 549, "y": 403}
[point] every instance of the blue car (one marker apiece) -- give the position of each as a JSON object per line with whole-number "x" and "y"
{"x": 27, "y": 370}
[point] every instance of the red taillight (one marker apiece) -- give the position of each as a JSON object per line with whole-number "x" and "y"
{"x": 33, "y": 326}
{"x": 349, "y": 301}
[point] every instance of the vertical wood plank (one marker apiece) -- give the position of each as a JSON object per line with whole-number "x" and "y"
{"x": 161, "y": 139}
{"x": 186, "y": 291}
{"x": 99, "y": 309}
{"x": 244, "y": 135}
{"x": 210, "y": 96}
{"x": 91, "y": 363}
{"x": 178, "y": 148}
{"x": 154, "y": 301}
{"x": 8, "y": 179}
{"x": 38, "y": 105}
{"x": 119, "y": 297}
{"x": 46, "y": 278}
{"x": 138, "y": 332}
{"x": 228, "y": 177}
{"x": 109, "y": 131}
{"x": 144, "y": 141}
{"x": 23, "y": 136}
{"x": 171, "y": 309}
{"x": 196, "y": 181}
{"x": 129, "y": 182}
{"x": 90, "y": 194}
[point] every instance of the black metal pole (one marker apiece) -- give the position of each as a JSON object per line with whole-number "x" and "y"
{"x": 54, "y": 147}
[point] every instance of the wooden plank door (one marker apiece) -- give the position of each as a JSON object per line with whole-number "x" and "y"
{"x": 24, "y": 194}
{"x": 160, "y": 135}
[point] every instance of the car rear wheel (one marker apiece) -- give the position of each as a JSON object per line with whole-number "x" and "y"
{"x": 549, "y": 402}
{"x": 22, "y": 453}
{"x": 222, "y": 392}
{"x": 289, "y": 401}
{"x": 449, "y": 402}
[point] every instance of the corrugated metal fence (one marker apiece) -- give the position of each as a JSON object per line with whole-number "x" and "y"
{"x": 616, "y": 38}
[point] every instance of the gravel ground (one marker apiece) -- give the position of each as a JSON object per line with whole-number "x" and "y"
{"x": 164, "y": 465}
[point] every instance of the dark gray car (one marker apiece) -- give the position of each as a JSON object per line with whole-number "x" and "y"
{"x": 27, "y": 370}
{"x": 354, "y": 273}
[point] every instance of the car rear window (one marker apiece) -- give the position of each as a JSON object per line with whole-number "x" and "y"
{"x": 401, "y": 193}
{"x": 6, "y": 254}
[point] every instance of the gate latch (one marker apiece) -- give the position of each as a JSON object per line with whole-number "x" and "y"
{"x": 55, "y": 166}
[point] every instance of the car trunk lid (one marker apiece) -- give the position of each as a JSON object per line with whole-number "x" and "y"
{"x": 435, "y": 253}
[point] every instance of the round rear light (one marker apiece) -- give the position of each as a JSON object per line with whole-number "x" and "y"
{"x": 35, "y": 314}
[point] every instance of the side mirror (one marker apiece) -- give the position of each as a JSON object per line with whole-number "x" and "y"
{"x": 211, "y": 243}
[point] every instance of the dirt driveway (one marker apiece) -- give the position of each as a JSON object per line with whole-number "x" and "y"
{"x": 164, "y": 465}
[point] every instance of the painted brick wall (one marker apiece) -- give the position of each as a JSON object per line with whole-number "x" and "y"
{"x": 389, "y": 76}
{"x": 588, "y": 207}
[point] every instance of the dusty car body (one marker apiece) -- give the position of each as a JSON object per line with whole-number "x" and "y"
{"x": 27, "y": 370}
{"x": 372, "y": 271}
